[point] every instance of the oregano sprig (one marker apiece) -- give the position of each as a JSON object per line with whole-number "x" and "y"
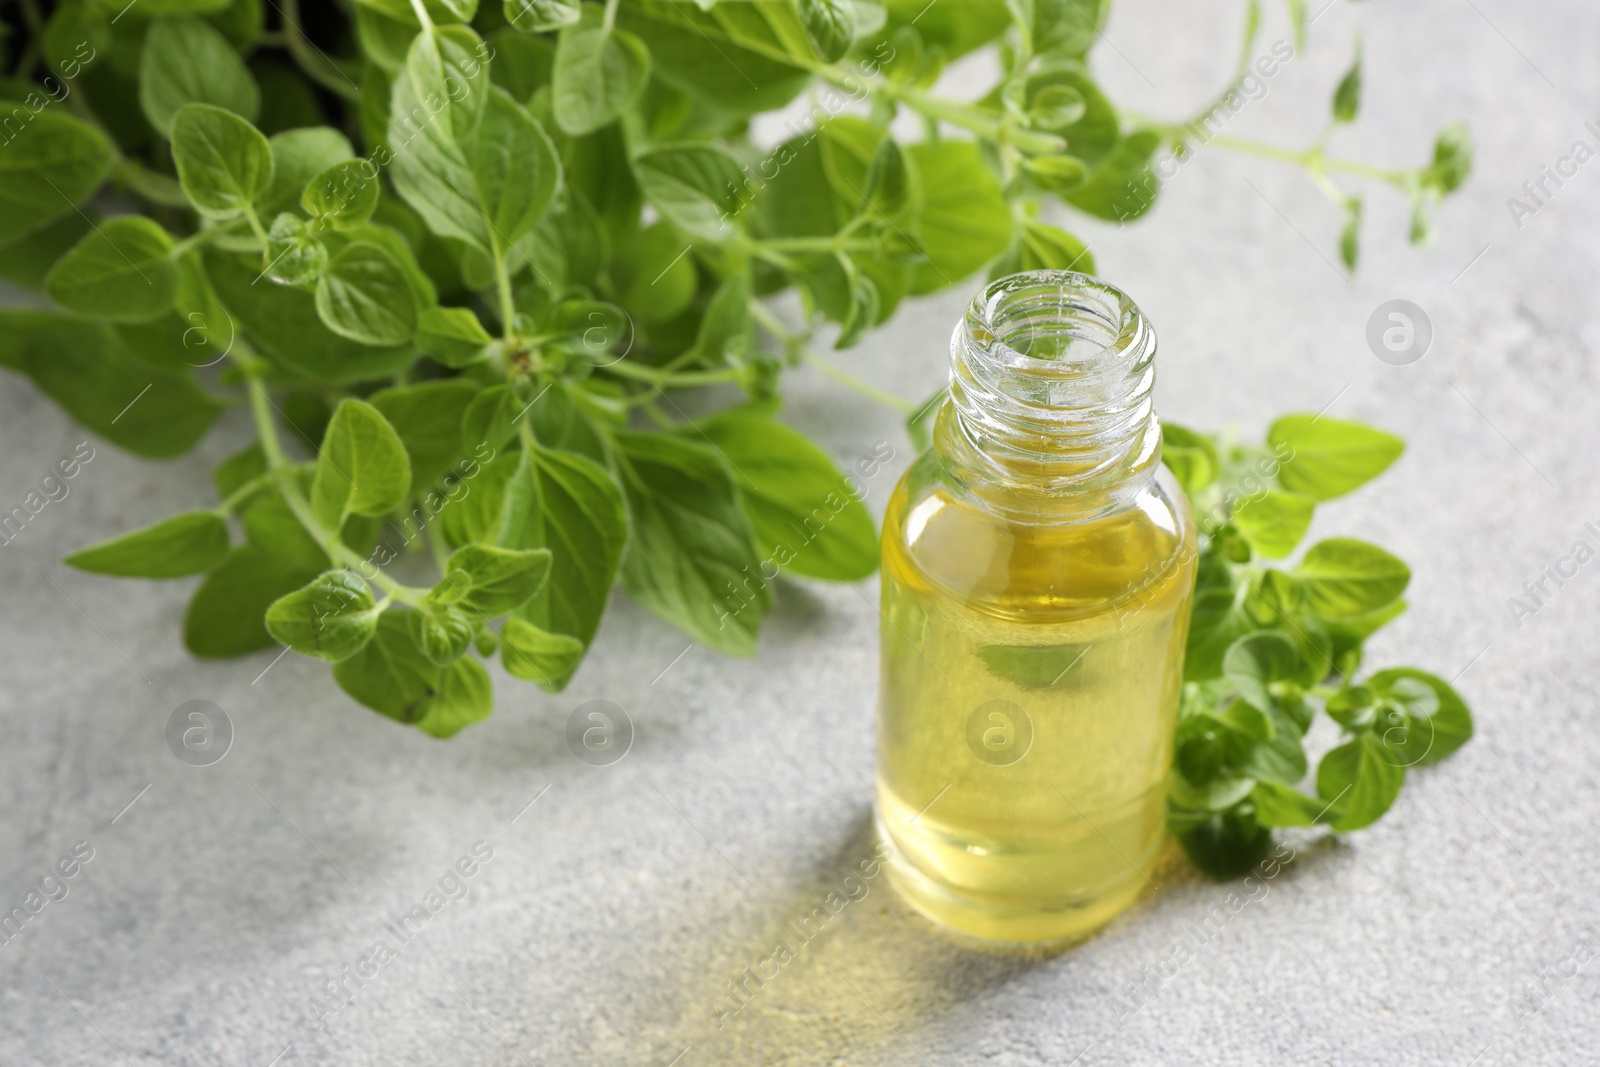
{"x": 456, "y": 260}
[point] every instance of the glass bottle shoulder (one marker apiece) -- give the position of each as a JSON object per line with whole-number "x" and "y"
{"x": 937, "y": 541}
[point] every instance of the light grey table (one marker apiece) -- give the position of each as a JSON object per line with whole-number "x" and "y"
{"x": 220, "y": 901}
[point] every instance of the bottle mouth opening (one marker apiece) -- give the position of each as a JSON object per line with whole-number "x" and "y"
{"x": 1054, "y": 324}
{"x": 1052, "y": 385}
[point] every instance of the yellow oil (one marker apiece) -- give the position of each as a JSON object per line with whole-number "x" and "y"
{"x": 1030, "y": 680}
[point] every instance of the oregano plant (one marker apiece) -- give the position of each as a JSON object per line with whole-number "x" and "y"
{"x": 458, "y": 262}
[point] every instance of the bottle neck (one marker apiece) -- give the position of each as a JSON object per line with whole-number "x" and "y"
{"x": 1050, "y": 415}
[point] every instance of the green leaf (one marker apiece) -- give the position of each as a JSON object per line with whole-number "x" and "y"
{"x": 1359, "y": 780}
{"x": 537, "y": 655}
{"x": 1452, "y": 159}
{"x": 692, "y": 558}
{"x": 1226, "y": 845}
{"x": 490, "y": 581}
{"x": 1051, "y": 248}
{"x": 1268, "y": 671}
{"x": 269, "y": 523}
{"x": 84, "y": 368}
{"x": 598, "y": 73}
{"x": 1068, "y": 27}
{"x": 1323, "y": 458}
{"x": 831, "y": 25}
{"x": 863, "y": 310}
{"x": 486, "y": 186}
{"x": 225, "y": 614}
{"x": 427, "y": 416}
{"x": 1216, "y": 622}
{"x": 1274, "y": 521}
{"x": 391, "y": 676}
{"x": 574, "y": 507}
{"x": 541, "y": 16}
{"x": 1427, "y": 730}
{"x": 1122, "y": 186}
{"x": 1341, "y": 577}
{"x": 1192, "y": 457}
{"x": 365, "y": 296}
{"x": 298, "y": 157}
{"x": 452, "y": 336}
{"x": 187, "y": 61}
{"x": 694, "y": 186}
{"x": 330, "y": 619}
{"x": 224, "y": 164}
{"x": 965, "y": 219}
{"x": 282, "y": 322}
{"x": 57, "y": 166}
{"x": 121, "y": 271}
{"x": 362, "y": 468}
{"x": 805, "y": 515}
{"x": 442, "y": 631}
{"x": 736, "y": 59}
{"x": 188, "y": 543}
{"x": 726, "y": 329}
{"x": 294, "y": 254}
{"x": 1347, "y": 97}
{"x": 1281, "y": 805}
{"x": 1350, "y": 235}
{"x": 1056, "y": 174}
{"x": 344, "y": 195}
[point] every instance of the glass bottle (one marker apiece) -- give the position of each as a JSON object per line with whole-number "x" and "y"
{"x": 1038, "y": 564}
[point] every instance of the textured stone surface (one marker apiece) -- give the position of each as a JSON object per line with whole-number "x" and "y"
{"x": 618, "y": 905}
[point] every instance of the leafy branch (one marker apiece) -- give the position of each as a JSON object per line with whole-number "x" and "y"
{"x": 457, "y": 260}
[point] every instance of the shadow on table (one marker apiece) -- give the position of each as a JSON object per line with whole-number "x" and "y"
{"x": 842, "y": 972}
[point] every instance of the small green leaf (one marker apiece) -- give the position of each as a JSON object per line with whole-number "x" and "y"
{"x": 1274, "y": 521}
{"x": 1268, "y": 671}
{"x": 1427, "y": 730}
{"x": 1192, "y": 457}
{"x": 538, "y": 655}
{"x": 224, "y": 164}
{"x": 1452, "y": 159}
{"x": 391, "y": 676}
{"x": 344, "y": 195}
{"x": 65, "y": 160}
{"x": 362, "y": 468}
{"x": 1216, "y": 622}
{"x": 364, "y": 295}
{"x": 1341, "y": 577}
{"x": 1347, "y": 97}
{"x": 541, "y": 16}
{"x": 599, "y": 71}
{"x": 294, "y": 254}
{"x": 490, "y": 581}
{"x": 726, "y": 329}
{"x": 697, "y": 187}
{"x": 1359, "y": 781}
{"x": 1056, "y": 174}
{"x": 1225, "y": 845}
{"x": 121, "y": 271}
{"x": 331, "y": 618}
{"x": 225, "y": 614}
{"x": 806, "y": 515}
{"x": 863, "y": 313}
{"x": 1323, "y": 458}
{"x": 427, "y": 417}
{"x": 298, "y": 157}
{"x": 1281, "y": 805}
{"x": 442, "y": 631}
{"x": 831, "y": 26}
{"x": 453, "y": 336}
{"x": 186, "y": 61}
{"x": 692, "y": 558}
{"x": 189, "y": 543}
{"x": 1350, "y": 236}
{"x": 965, "y": 219}
{"x": 1047, "y": 247}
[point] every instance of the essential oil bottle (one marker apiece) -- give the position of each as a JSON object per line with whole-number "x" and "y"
{"x": 1038, "y": 564}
